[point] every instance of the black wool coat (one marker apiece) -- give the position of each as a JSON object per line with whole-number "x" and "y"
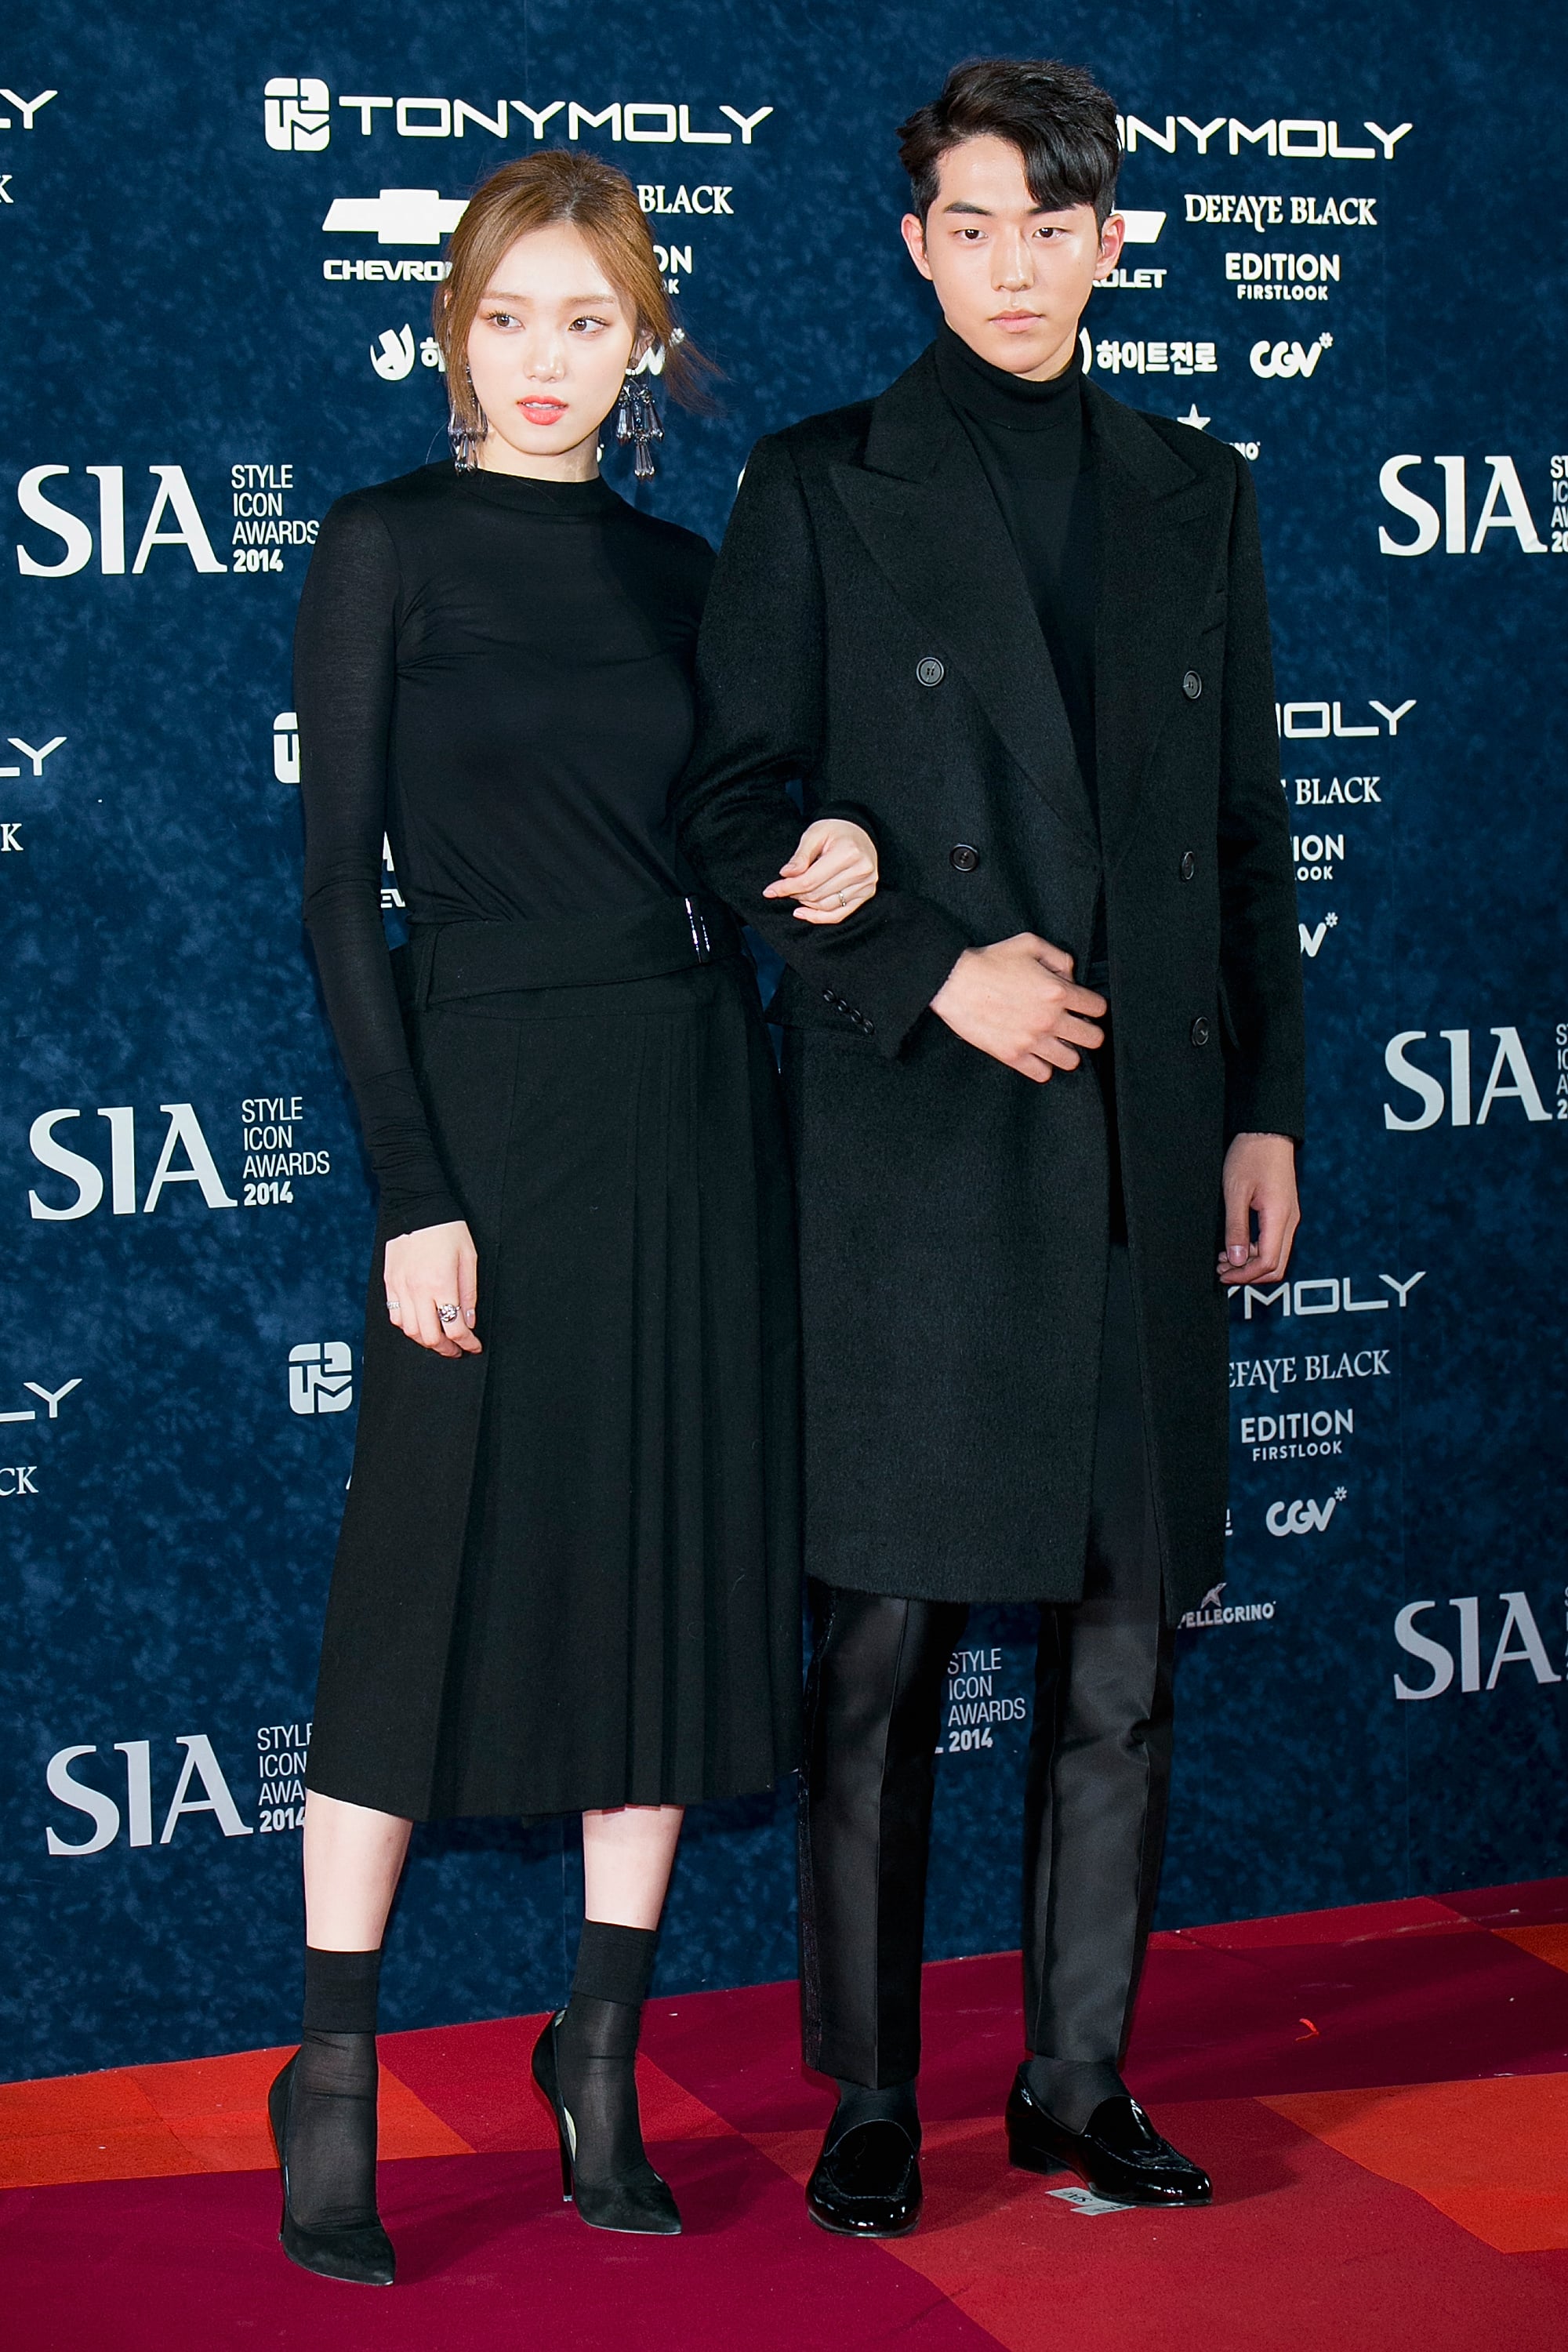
{"x": 870, "y": 637}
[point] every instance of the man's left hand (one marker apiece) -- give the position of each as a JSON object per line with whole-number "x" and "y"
{"x": 1260, "y": 1179}
{"x": 834, "y": 870}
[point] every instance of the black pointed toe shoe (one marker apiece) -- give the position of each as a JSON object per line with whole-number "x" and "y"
{"x": 1119, "y": 2155}
{"x": 358, "y": 2251}
{"x": 866, "y": 2183}
{"x": 603, "y": 2167}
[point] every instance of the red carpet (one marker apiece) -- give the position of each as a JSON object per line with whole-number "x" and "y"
{"x": 1380, "y": 2096}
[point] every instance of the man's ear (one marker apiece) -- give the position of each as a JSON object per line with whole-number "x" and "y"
{"x": 914, "y": 236}
{"x": 1111, "y": 238}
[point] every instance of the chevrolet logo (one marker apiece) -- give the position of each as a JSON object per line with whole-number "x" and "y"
{"x": 1143, "y": 229}
{"x": 398, "y": 215}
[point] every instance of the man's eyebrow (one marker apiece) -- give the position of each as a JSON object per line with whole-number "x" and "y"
{"x": 982, "y": 212}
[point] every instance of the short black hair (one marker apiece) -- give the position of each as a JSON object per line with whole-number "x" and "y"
{"x": 1057, "y": 116}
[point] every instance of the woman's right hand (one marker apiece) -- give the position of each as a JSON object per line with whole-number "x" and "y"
{"x": 436, "y": 1266}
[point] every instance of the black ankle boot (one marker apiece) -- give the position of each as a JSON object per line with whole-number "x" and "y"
{"x": 585, "y": 2062}
{"x": 323, "y": 2114}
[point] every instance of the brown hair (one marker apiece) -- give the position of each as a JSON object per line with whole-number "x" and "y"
{"x": 1057, "y": 116}
{"x": 535, "y": 192}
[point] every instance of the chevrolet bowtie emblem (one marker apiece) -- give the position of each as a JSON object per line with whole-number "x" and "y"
{"x": 398, "y": 215}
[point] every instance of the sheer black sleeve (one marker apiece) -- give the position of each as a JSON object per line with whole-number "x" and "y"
{"x": 345, "y": 669}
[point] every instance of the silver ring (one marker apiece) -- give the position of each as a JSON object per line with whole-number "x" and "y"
{"x": 447, "y": 1314}
{"x": 392, "y": 1305}
{"x": 842, "y": 900}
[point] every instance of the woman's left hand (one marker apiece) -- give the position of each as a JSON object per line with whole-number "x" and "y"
{"x": 833, "y": 871}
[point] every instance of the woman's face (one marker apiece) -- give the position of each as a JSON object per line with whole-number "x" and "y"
{"x": 547, "y": 350}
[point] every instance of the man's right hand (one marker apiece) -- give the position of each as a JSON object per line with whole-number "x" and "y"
{"x": 1019, "y": 1002}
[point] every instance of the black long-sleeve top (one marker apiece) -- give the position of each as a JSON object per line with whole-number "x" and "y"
{"x": 495, "y": 675}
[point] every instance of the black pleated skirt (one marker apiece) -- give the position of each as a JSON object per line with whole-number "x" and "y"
{"x": 568, "y": 1574}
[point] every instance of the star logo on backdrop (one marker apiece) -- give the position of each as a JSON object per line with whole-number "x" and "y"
{"x": 1193, "y": 419}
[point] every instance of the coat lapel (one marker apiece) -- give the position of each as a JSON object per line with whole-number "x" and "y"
{"x": 925, "y": 513}
{"x": 1161, "y": 536}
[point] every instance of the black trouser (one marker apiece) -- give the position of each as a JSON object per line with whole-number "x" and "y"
{"x": 1100, "y": 1759}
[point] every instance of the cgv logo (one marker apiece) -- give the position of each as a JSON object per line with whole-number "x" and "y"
{"x": 1300, "y": 1519}
{"x": 173, "y": 503}
{"x": 1504, "y": 508}
{"x": 107, "y": 1815}
{"x": 1519, "y": 1621}
{"x": 1510, "y": 1079}
{"x": 182, "y": 1134}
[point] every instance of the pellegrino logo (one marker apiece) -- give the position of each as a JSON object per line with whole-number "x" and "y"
{"x": 1214, "y": 1610}
{"x": 1504, "y": 508}
{"x": 296, "y": 115}
{"x": 1518, "y": 1642}
{"x": 1451, "y": 1098}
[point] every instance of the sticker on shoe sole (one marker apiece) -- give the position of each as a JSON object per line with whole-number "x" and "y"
{"x": 1084, "y": 2201}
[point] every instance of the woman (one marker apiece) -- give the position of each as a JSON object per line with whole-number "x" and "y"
{"x": 567, "y": 1577}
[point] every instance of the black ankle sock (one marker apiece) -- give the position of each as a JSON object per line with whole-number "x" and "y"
{"x": 340, "y": 1991}
{"x": 1070, "y": 2088}
{"x": 859, "y": 2104}
{"x": 596, "y": 2048}
{"x": 331, "y": 2131}
{"x": 615, "y": 1963}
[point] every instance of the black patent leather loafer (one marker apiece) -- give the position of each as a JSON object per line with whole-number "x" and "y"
{"x": 867, "y": 2183}
{"x": 1120, "y": 2156}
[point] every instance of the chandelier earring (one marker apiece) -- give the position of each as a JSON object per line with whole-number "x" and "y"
{"x": 465, "y": 438}
{"x": 636, "y": 420}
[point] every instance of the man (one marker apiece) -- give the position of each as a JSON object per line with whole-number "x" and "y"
{"x": 1018, "y": 631}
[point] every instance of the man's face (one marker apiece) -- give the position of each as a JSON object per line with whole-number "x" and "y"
{"x": 1012, "y": 280}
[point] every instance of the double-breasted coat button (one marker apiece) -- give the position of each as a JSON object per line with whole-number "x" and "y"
{"x": 1192, "y": 686}
{"x": 964, "y": 857}
{"x": 1199, "y": 1031}
{"x": 930, "y": 672}
{"x": 1189, "y": 866}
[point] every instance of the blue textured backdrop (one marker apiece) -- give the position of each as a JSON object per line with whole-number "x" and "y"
{"x": 1341, "y": 267}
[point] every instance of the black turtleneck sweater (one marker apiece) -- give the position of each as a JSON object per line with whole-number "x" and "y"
{"x": 1030, "y": 439}
{"x": 494, "y": 673}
